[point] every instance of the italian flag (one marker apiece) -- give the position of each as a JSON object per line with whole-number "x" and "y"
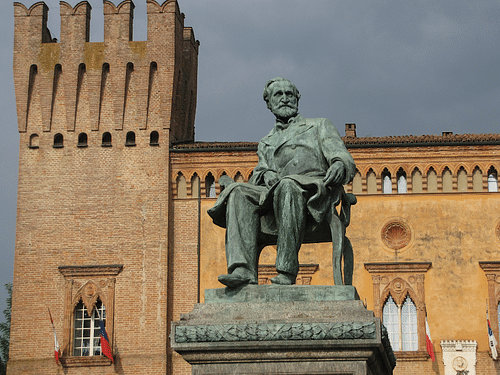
{"x": 57, "y": 352}
{"x": 428, "y": 341}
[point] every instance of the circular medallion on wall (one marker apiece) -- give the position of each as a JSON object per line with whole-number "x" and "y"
{"x": 396, "y": 234}
{"x": 459, "y": 363}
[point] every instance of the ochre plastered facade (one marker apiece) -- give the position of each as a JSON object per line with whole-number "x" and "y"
{"x": 446, "y": 263}
{"x": 113, "y": 194}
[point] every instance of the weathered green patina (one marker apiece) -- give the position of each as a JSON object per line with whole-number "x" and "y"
{"x": 302, "y": 167}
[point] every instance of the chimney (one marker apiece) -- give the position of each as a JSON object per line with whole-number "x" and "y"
{"x": 350, "y": 130}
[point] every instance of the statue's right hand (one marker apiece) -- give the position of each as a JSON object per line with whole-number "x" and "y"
{"x": 270, "y": 178}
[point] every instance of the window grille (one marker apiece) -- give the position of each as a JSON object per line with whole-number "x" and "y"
{"x": 87, "y": 339}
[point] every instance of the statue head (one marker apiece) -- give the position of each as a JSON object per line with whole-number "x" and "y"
{"x": 282, "y": 98}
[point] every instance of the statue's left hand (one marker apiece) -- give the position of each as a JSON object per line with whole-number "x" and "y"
{"x": 335, "y": 174}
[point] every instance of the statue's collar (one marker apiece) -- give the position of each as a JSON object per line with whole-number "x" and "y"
{"x": 292, "y": 120}
{"x": 276, "y": 138}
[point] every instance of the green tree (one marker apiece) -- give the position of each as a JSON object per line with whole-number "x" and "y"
{"x": 5, "y": 332}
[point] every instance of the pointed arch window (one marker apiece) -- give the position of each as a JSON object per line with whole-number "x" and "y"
{"x": 416, "y": 181}
{"x": 210, "y": 186}
{"x": 371, "y": 182}
{"x": 399, "y": 300}
{"x": 195, "y": 186}
{"x": 181, "y": 186}
{"x": 86, "y": 333}
{"x": 402, "y": 185}
{"x": 357, "y": 183}
{"x": 89, "y": 293}
{"x": 492, "y": 180}
{"x": 401, "y": 324}
{"x": 386, "y": 182}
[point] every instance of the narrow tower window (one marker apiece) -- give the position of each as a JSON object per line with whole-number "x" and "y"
{"x": 34, "y": 141}
{"x": 82, "y": 140}
{"x": 130, "y": 140}
{"x": 154, "y": 138}
{"x": 58, "y": 141}
{"x": 106, "y": 140}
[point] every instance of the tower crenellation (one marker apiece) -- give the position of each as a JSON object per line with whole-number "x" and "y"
{"x": 118, "y": 84}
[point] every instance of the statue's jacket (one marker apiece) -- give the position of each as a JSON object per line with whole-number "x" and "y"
{"x": 302, "y": 152}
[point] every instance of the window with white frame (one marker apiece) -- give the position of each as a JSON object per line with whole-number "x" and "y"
{"x": 87, "y": 339}
{"x": 401, "y": 324}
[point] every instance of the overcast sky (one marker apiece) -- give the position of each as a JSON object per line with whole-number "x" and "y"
{"x": 392, "y": 67}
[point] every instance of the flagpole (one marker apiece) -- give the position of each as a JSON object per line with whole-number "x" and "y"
{"x": 56, "y": 343}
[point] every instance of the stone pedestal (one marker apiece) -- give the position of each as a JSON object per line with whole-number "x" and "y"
{"x": 270, "y": 329}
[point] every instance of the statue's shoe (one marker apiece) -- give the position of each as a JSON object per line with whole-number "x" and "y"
{"x": 283, "y": 279}
{"x": 233, "y": 280}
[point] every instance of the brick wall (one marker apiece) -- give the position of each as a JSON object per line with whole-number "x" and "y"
{"x": 89, "y": 205}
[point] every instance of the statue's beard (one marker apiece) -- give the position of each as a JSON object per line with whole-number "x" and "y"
{"x": 286, "y": 111}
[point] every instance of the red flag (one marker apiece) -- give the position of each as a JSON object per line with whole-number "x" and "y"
{"x": 57, "y": 352}
{"x": 428, "y": 341}
{"x": 105, "y": 348}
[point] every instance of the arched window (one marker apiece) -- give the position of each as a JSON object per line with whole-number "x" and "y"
{"x": 402, "y": 185}
{"x": 58, "y": 141}
{"x": 390, "y": 318}
{"x": 34, "y": 141}
{"x": 86, "y": 331}
{"x": 447, "y": 181}
{"x": 82, "y": 140}
{"x": 401, "y": 324}
{"x": 371, "y": 182}
{"x": 210, "y": 186}
{"x": 432, "y": 181}
{"x": 416, "y": 181}
{"x": 181, "y": 186}
{"x": 462, "y": 180}
{"x": 130, "y": 140}
{"x": 357, "y": 185}
{"x": 477, "y": 179}
{"x": 238, "y": 177}
{"x": 106, "y": 139}
{"x": 195, "y": 186}
{"x": 386, "y": 182}
{"x": 154, "y": 138}
{"x": 492, "y": 180}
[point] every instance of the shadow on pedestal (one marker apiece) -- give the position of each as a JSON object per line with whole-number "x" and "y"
{"x": 283, "y": 330}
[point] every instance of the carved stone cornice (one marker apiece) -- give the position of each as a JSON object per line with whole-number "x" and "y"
{"x": 397, "y": 267}
{"x": 490, "y": 267}
{"x": 86, "y": 271}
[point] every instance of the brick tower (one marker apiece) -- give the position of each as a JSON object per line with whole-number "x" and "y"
{"x": 93, "y": 219}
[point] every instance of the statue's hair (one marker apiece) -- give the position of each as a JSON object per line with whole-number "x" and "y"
{"x": 267, "y": 92}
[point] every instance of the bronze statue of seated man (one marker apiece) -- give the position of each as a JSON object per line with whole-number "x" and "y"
{"x": 302, "y": 167}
